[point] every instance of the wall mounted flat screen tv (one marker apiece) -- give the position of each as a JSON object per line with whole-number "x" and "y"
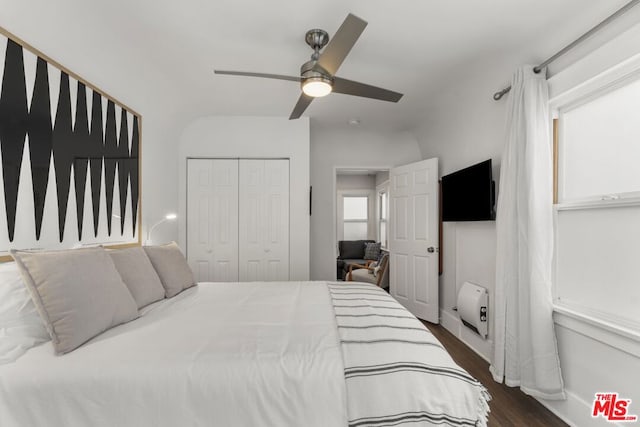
{"x": 469, "y": 194}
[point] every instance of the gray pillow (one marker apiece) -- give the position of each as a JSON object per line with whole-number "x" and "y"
{"x": 78, "y": 293}
{"x": 138, "y": 274}
{"x": 372, "y": 250}
{"x": 352, "y": 249}
{"x": 172, "y": 268}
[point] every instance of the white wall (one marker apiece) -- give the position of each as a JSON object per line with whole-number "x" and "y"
{"x": 256, "y": 137}
{"x": 355, "y": 182}
{"x": 382, "y": 177}
{"x": 464, "y": 126}
{"x": 348, "y": 149}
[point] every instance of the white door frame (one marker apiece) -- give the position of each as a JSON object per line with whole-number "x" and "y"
{"x": 334, "y": 209}
{"x": 384, "y": 186}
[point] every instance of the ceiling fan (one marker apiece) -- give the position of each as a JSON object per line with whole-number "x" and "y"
{"x": 317, "y": 76}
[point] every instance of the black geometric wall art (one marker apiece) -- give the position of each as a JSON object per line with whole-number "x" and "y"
{"x": 13, "y": 128}
{"x": 63, "y": 147}
{"x": 40, "y": 140}
{"x": 76, "y": 138}
{"x": 133, "y": 173}
{"x": 110, "y": 159}
{"x": 96, "y": 152}
{"x": 123, "y": 166}
{"x": 81, "y": 153}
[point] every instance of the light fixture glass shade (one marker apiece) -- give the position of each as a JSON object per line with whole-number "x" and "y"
{"x": 316, "y": 87}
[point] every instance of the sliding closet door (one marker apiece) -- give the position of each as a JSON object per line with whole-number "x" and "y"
{"x": 264, "y": 220}
{"x": 212, "y": 219}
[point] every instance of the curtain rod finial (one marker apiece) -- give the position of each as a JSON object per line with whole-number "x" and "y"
{"x": 498, "y": 95}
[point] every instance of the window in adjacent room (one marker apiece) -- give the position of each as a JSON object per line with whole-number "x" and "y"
{"x": 598, "y": 203}
{"x": 383, "y": 215}
{"x": 355, "y": 217}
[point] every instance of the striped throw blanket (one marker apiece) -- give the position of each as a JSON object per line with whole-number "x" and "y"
{"x": 396, "y": 371}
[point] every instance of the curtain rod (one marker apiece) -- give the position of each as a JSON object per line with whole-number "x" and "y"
{"x": 498, "y": 95}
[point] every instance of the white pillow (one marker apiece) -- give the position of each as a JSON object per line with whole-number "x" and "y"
{"x": 20, "y": 324}
{"x": 78, "y": 293}
{"x": 138, "y": 274}
{"x": 172, "y": 267}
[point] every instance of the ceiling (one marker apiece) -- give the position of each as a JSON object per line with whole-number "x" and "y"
{"x": 411, "y": 46}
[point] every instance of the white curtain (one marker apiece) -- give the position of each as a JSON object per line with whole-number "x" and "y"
{"x": 525, "y": 350}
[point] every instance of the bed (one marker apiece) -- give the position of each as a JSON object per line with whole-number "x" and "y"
{"x": 250, "y": 354}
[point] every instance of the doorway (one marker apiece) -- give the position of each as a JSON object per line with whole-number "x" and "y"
{"x": 361, "y": 207}
{"x": 404, "y": 216}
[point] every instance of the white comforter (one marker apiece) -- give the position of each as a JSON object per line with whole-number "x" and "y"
{"x": 223, "y": 354}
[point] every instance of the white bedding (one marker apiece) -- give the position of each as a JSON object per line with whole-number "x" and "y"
{"x": 220, "y": 354}
{"x": 250, "y": 354}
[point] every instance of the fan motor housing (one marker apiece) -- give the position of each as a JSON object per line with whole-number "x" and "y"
{"x": 307, "y": 71}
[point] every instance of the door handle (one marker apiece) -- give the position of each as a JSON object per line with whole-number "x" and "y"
{"x": 431, "y": 249}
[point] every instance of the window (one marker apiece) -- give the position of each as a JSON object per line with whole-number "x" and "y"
{"x": 355, "y": 217}
{"x": 598, "y": 210}
{"x": 600, "y": 146}
{"x": 383, "y": 215}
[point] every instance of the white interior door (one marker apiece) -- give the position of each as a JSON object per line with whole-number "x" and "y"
{"x": 413, "y": 238}
{"x": 264, "y": 220}
{"x": 212, "y": 219}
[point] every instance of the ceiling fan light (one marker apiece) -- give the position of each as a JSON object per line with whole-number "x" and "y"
{"x": 316, "y": 87}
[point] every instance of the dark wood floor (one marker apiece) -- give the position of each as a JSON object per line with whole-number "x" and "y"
{"x": 509, "y": 406}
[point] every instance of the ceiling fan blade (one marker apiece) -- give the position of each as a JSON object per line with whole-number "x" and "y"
{"x": 341, "y": 43}
{"x": 264, "y": 75}
{"x": 349, "y": 87}
{"x": 301, "y": 105}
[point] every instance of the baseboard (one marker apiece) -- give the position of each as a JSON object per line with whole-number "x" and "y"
{"x": 480, "y": 346}
{"x": 574, "y": 411}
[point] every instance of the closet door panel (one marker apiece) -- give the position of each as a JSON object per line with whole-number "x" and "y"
{"x": 277, "y": 219}
{"x": 264, "y": 220}
{"x": 225, "y": 221}
{"x": 251, "y": 218}
{"x": 212, "y": 219}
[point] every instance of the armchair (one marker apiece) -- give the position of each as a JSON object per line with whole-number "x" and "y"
{"x": 364, "y": 273}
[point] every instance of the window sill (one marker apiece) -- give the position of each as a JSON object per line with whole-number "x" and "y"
{"x": 613, "y": 335}
{"x": 599, "y": 203}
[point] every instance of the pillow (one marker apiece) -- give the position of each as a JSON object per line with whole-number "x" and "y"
{"x": 175, "y": 274}
{"x": 20, "y": 325}
{"x": 138, "y": 274}
{"x": 372, "y": 250}
{"x": 78, "y": 293}
{"x": 351, "y": 249}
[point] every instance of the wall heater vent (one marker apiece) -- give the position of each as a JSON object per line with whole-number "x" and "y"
{"x": 472, "y": 308}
